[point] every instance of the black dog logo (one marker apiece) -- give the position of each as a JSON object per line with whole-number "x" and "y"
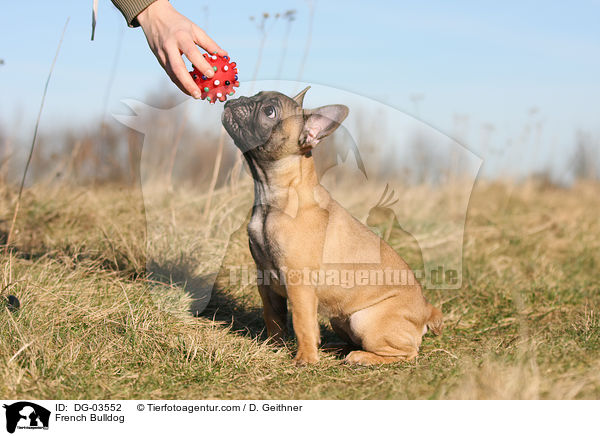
{"x": 26, "y": 415}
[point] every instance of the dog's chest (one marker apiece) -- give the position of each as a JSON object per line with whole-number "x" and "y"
{"x": 262, "y": 245}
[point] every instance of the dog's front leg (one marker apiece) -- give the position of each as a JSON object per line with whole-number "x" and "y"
{"x": 304, "y": 303}
{"x": 274, "y": 313}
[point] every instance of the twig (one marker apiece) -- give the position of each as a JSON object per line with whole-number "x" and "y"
{"x": 215, "y": 175}
{"x": 444, "y": 351}
{"x": 133, "y": 320}
{"x": 94, "y": 17}
{"x": 264, "y": 31}
{"x": 31, "y": 149}
{"x": 506, "y": 322}
{"x": 237, "y": 165}
{"x": 9, "y": 285}
{"x": 111, "y": 77}
{"x": 23, "y": 348}
{"x": 290, "y": 16}
{"x": 311, "y": 7}
{"x": 7, "y": 156}
{"x": 175, "y": 148}
{"x": 83, "y": 309}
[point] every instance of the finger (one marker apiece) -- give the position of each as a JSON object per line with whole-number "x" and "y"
{"x": 180, "y": 75}
{"x": 174, "y": 79}
{"x": 163, "y": 60}
{"x": 205, "y": 41}
{"x": 196, "y": 58}
{"x": 161, "y": 57}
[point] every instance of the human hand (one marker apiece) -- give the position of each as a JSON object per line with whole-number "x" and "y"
{"x": 169, "y": 35}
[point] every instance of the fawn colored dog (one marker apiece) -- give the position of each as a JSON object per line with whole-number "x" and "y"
{"x": 311, "y": 251}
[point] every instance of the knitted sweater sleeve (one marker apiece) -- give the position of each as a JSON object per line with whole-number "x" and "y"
{"x": 131, "y": 8}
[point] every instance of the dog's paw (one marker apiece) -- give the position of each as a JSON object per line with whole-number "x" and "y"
{"x": 358, "y": 357}
{"x": 304, "y": 357}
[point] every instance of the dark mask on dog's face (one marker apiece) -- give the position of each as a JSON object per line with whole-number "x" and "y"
{"x": 270, "y": 126}
{"x": 253, "y": 122}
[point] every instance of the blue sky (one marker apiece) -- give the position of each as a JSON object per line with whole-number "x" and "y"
{"x": 479, "y": 66}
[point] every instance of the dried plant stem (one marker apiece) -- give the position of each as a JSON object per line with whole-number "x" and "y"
{"x": 111, "y": 77}
{"x": 236, "y": 170}
{"x": 174, "y": 150}
{"x": 237, "y": 166}
{"x": 5, "y": 159}
{"x": 72, "y": 161}
{"x": 284, "y": 47}
{"x": 261, "y": 47}
{"x": 31, "y": 149}
{"x": 215, "y": 174}
{"x": 311, "y": 17}
{"x": 94, "y": 17}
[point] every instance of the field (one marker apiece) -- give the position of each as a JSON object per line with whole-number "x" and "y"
{"x": 93, "y": 323}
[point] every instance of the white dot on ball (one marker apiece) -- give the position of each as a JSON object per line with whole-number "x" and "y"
{"x": 213, "y": 57}
{"x": 217, "y": 83}
{"x": 225, "y": 68}
{"x": 219, "y": 95}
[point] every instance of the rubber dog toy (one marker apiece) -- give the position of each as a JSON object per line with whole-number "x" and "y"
{"x": 221, "y": 84}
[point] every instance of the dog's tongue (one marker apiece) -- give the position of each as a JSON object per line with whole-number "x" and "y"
{"x": 222, "y": 83}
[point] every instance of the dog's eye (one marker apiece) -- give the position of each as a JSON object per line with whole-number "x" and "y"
{"x": 269, "y": 111}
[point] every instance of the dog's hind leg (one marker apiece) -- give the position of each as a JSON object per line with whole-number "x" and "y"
{"x": 385, "y": 335}
{"x": 341, "y": 327}
{"x": 385, "y": 350}
{"x": 274, "y": 313}
{"x": 361, "y": 357}
{"x": 342, "y": 330}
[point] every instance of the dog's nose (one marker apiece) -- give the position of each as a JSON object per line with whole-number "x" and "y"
{"x": 234, "y": 102}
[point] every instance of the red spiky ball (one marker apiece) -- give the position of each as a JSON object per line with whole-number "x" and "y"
{"x": 219, "y": 86}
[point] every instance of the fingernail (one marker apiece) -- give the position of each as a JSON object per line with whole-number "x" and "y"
{"x": 196, "y": 94}
{"x": 209, "y": 73}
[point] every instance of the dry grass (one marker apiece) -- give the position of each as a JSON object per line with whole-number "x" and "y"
{"x": 94, "y": 324}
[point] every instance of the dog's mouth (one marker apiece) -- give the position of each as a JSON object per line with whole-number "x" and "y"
{"x": 234, "y": 119}
{"x": 231, "y": 123}
{"x": 306, "y": 150}
{"x": 228, "y": 118}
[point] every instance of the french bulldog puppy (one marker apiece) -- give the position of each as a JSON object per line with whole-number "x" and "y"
{"x": 310, "y": 250}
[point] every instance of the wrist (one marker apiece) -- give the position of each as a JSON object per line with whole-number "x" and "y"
{"x": 154, "y": 10}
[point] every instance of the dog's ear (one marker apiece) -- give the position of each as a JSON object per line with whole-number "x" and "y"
{"x": 299, "y": 98}
{"x": 321, "y": 122}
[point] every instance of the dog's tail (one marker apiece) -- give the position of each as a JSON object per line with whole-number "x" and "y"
{"x": 435, "y": 322}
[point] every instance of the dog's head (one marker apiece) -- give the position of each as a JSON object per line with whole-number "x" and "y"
{"x": 271, "y": 125}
